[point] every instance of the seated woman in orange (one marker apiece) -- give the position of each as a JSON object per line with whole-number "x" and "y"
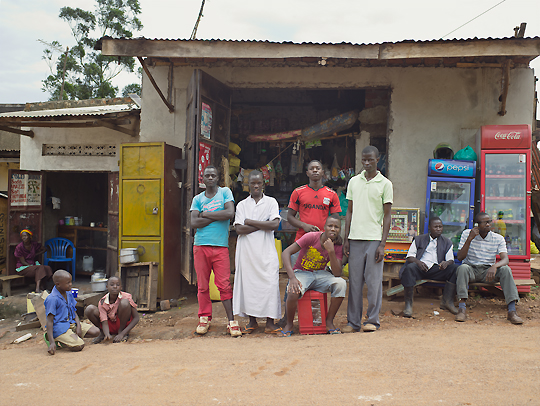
{"x": 26, "y": 253}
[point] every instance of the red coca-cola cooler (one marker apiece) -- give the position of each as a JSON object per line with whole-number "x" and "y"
{"x": 505, "y": 190}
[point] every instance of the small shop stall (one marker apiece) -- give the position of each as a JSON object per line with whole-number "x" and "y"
{"x": 404, "y": 226}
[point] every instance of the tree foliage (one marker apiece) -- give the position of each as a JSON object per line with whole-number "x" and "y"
{"x": 89, "y": 73}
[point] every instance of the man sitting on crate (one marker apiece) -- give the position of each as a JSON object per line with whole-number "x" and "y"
{"x": 478, "y": 250}
{"x": 430, "y": 256}
{"x": 311, "y": 271}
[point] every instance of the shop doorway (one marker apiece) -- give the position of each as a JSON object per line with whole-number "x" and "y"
{"x": 87, "y": 215}
{"x": 218, "y": 115}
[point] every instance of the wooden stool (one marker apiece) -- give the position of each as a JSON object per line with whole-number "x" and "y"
{"x": 6, "y": 283}
{"x": 308, "y": 305}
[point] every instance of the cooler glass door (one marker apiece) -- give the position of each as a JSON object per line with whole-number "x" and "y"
{"x": 505, "y": 198}
{"x": 451, "y": 201}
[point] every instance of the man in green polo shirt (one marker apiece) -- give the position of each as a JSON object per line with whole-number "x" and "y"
{"x": 367, "y": 224}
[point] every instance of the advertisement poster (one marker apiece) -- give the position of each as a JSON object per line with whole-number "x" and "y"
{"x": 403, "y": 224}
{"x": 25, "y": 189}
{"x": 204, "y": 160}
{"x": 206, "y": 121}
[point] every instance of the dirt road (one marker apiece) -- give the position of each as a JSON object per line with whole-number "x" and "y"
{"x": 427, "y": 360}
{"x": 449, "y": 364}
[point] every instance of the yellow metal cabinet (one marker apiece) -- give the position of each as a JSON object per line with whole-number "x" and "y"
{"x": 150, "y": 210}
{"x": 144, "y": 204}
{"x": 141, "y": 161}
{"x": 149, "y": 251}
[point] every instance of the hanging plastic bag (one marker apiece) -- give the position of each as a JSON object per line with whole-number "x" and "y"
{"x": 466, "y": 154}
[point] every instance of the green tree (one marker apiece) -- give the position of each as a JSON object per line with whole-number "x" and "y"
{"x": 88, "y": 73}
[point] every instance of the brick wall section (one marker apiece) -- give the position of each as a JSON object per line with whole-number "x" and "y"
{"x": 66, "y": 104}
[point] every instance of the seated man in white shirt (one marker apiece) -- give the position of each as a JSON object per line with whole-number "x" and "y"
{"x": 478, "y": 249}
{"x": 430, "y": 257}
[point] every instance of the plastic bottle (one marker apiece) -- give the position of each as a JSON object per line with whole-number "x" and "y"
{"x": 463, "y": 216}
{"x": 496, "y": 189}
{"x": 499, "y": 226}
{"x": 316, "y": 312}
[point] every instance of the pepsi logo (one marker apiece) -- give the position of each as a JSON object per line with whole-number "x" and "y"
{"x": 439, "y": 166}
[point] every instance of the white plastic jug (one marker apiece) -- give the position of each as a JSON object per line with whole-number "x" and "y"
{"x": 88, "y": 263}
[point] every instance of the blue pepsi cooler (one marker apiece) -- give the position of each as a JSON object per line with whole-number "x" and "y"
{"x": 452, "y": 168}
{"x": 450, "y": 196}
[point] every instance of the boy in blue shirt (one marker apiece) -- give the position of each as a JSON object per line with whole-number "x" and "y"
{"x": 63, "y": 324}
{"x": 211, "y": 212}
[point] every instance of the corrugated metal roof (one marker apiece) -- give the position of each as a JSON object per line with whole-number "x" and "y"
{"x": 75, "y": 111}
{"x": 406, "y": 41}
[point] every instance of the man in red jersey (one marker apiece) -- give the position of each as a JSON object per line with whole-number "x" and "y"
{"x": 314, "y": 202}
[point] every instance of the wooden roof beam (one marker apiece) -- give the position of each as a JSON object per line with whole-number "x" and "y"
{"x": 115, "y": 127}
{"x": 56, "y": 124}
{"x": 167, "y": 103}
{"x": 17, "y": 131}
{"x": 402, "y": 50}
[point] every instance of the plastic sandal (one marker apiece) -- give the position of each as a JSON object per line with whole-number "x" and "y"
{"x": 334, "y": 331}
{"x": 58, "y": 344}
{"x": 285, "y": 333}
{"x": 249, "y": 330}
{"x": 276, "y": 331}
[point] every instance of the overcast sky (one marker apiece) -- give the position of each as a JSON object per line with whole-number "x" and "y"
{"x": 23, "y": 22}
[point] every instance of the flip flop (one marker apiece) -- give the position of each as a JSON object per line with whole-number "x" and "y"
{"x": 249, "y": 330}
{"x": 285, "y": 333}
{"x": 334, "y": 331}
{"x": 275, "y": 331}
{"x": 58, "y": 344}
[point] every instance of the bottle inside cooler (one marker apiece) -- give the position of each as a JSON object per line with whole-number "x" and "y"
{"x": 450, "y": 201}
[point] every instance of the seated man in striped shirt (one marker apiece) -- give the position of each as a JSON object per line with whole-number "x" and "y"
{"x": 478, "y": 250}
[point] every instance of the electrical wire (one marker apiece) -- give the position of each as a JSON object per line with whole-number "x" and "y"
{"x": 481, "y": 14}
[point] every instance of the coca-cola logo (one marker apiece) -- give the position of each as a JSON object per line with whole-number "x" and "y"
{"x": 512, "y": 135}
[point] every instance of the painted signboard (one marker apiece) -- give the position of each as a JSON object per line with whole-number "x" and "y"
{"x": 205, "y": 151}
{"x": 25, "y": 190}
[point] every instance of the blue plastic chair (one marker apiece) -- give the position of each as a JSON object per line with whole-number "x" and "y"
{"x": 58, "y": 248}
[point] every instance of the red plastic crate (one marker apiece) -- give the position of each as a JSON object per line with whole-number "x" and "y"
{"x": 521, "y": 270}
{"x": 305, "y": 313}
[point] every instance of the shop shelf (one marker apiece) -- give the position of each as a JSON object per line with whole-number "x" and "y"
{"x": 448, "y": 201}
{"x": 505, "y": 176}
{"x": 509, "y": 198}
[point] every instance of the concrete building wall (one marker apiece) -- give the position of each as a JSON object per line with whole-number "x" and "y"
{"x": 428, "y": 106}
{"x": 32, "y": 156}
{"x": 4, "y": 172}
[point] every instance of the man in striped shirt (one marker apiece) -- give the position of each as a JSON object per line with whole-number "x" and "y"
{"x": 478, "y": 249}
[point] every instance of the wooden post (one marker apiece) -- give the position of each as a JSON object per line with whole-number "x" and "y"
{"x": 169, "y": 105}
{"x": 505, "y": 84}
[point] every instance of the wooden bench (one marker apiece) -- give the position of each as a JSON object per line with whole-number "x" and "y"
{"x": 491, "y": 287}
{"x": 6, "y": 283}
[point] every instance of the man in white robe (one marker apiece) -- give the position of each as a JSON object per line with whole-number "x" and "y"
{"x": 256, "y": 282}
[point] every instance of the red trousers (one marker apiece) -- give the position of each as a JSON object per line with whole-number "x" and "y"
{"x": 206, "y": 259}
